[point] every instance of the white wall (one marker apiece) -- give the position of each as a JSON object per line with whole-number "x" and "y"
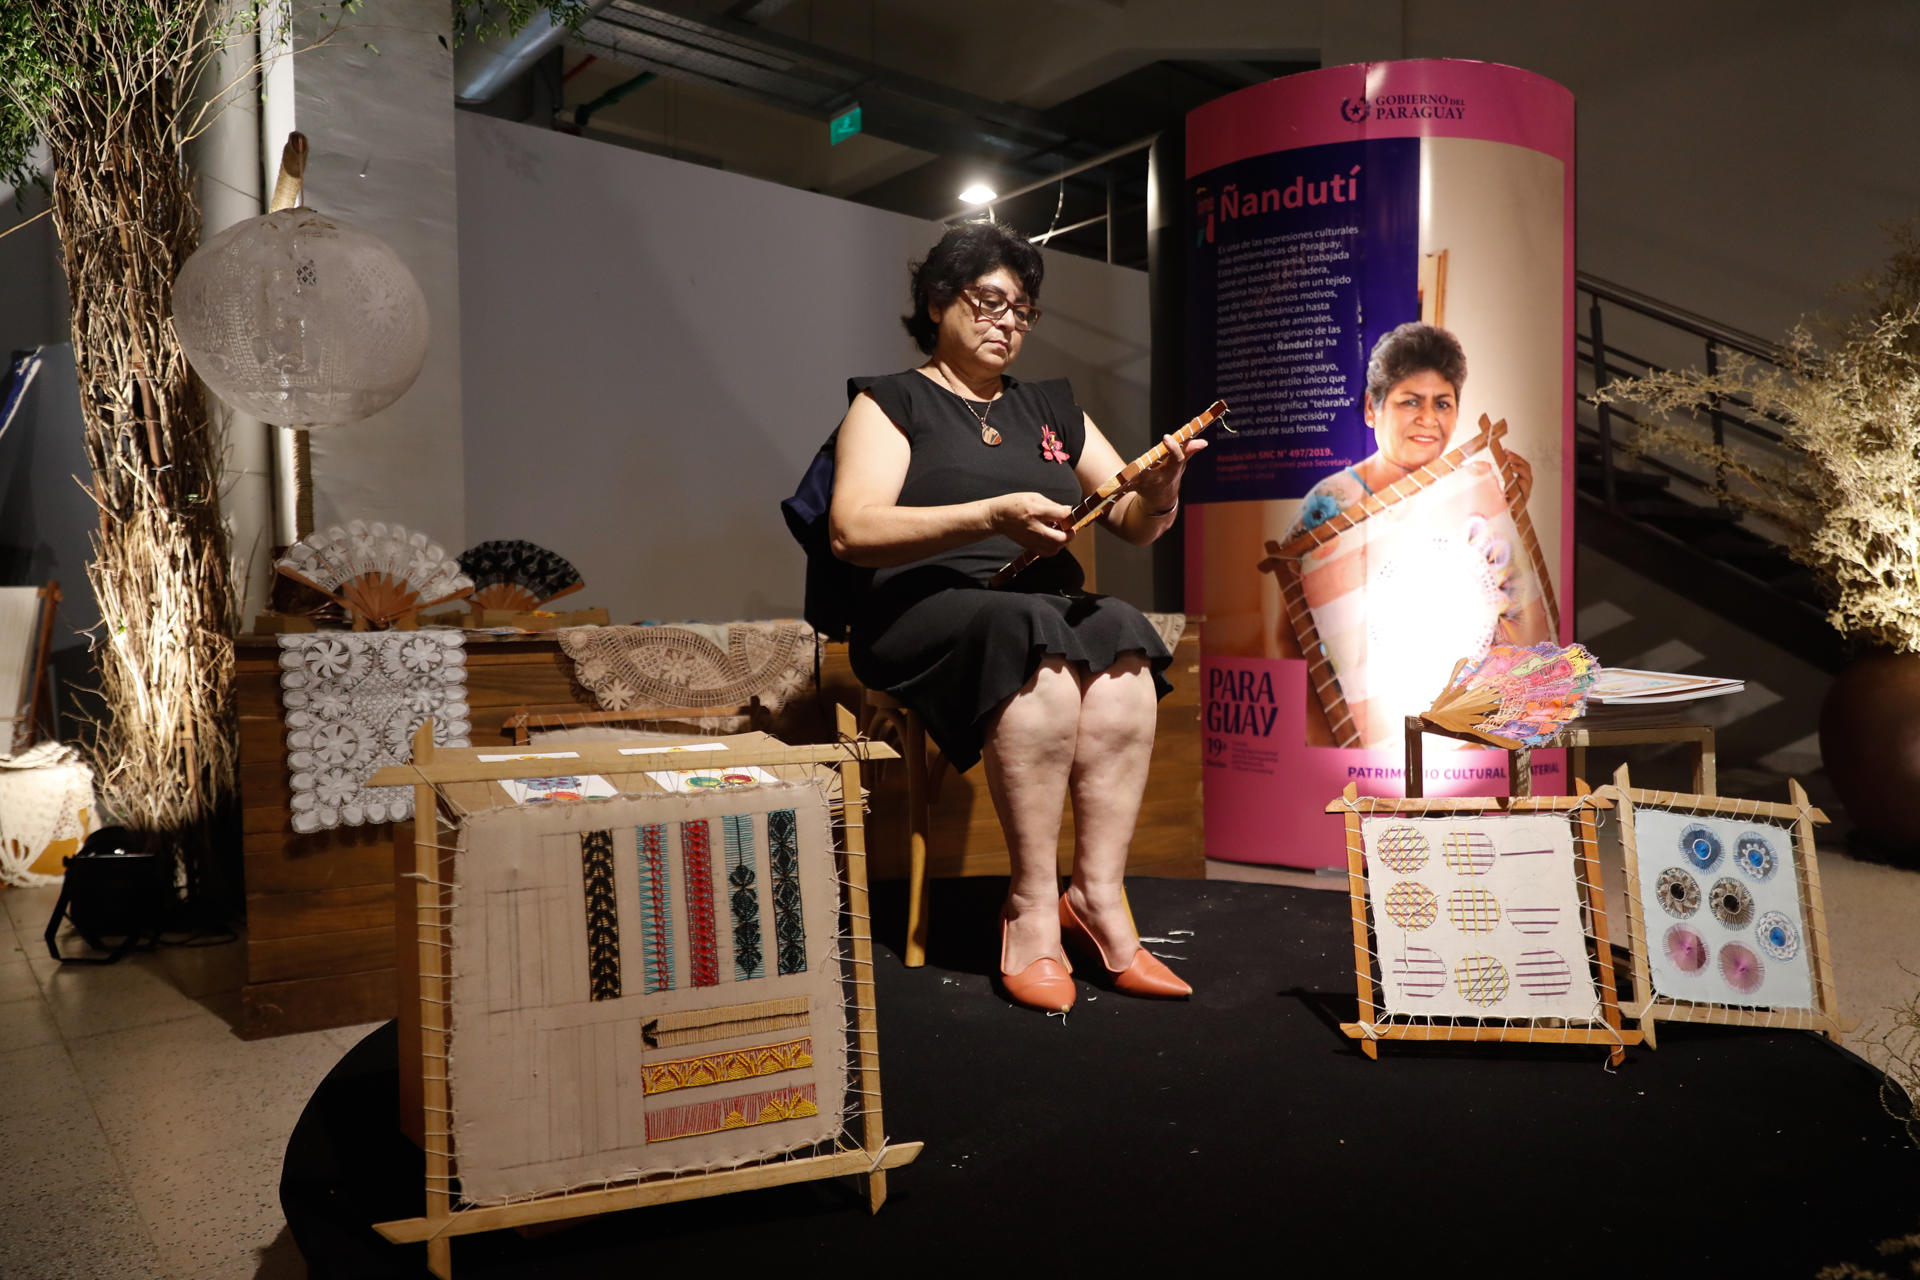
{"x": 653, "y": 350}
{"x": 1737, "y": 159}
{"x": 376, "y": 104}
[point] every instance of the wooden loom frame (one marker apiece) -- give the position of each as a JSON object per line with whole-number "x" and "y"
{"x": 1580, "y": 809}
{"x": 1321, "y": 677}
{"x": 445, "y": 1219}
{"x": 1648, "y": 1006}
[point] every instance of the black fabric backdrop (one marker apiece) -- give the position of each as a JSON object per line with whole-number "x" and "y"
{"x": 1239, "y": 1128}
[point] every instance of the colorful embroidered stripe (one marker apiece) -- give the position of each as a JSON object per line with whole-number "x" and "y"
{"x": 783, "y": 854}
{"x": 603, "y": 923}
{"x": 743, "y": 896}
{"x": 743, "y": 1112}
{"x": 731, "y": 1064}
{"x": 696, "y": 854}
{"x": 656, "y": 915}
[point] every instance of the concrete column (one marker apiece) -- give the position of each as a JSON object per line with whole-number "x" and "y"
{"x": 376, "y": 104}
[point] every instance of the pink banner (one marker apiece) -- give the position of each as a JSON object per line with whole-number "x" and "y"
{"x": 1334, "y": 214}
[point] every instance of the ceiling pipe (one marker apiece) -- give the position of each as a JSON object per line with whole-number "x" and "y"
{"x": 482, "y": 70}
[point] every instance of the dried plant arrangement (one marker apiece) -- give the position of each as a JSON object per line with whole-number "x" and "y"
{"x": 1900, "y": 1042}
{"x": 1846, "y": 396}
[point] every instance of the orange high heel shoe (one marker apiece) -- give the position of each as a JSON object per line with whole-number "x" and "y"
{"x": 1044, "y": 984}
{"x": 1144, "y": 975}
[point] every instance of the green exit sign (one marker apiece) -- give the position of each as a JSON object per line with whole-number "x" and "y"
{"x": 843, "y": 126}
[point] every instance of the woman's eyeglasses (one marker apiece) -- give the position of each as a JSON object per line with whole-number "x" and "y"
{"x": 991, "y": 304}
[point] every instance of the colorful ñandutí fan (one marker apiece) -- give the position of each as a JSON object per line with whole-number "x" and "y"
{"x": 1517, "y": 695}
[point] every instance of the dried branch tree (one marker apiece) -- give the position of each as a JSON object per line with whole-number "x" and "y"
{"x": 1848, "y": 401}
{"x": 116, "y": 89}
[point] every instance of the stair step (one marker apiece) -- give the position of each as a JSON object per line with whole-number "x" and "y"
{"x": 1625, "y": 480}
{"x": 1677, "y": 512}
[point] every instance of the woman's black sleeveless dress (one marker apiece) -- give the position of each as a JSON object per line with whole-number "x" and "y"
{"x": 932, "y": 633}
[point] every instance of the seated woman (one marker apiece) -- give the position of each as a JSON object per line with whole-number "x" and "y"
{"x": 1412, "y": 403}
{"x": 943, "y": 474}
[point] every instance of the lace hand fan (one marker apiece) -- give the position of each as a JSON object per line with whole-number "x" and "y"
{"x": 510, "y": 573}
{"x": 379, "y": 571}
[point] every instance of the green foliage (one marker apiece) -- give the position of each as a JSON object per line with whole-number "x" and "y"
{"x": 52, "y": 50}
{"x": 490, "y": 21}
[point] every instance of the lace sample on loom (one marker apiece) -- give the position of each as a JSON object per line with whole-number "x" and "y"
{"x": 692, "y": 665}
{"x": 353, "y": 701}
{"x": 1478, "y": 916}
{"x": 1725, "y": 914}
{"x": 1385, "y": 596}
{"x": 704, "y": 1054}
{"x": 1479, "y": 920}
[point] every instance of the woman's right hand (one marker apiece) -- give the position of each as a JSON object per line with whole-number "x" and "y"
{"x": 1035, "y": 521}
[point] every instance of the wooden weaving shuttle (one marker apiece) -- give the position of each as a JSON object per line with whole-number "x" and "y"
{"x": 1101, "y": 500}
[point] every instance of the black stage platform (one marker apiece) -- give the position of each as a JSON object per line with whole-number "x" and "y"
{"x": 1237, "y": 1129}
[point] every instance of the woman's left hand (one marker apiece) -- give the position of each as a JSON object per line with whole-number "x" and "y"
{"x": 1159, "y": 489}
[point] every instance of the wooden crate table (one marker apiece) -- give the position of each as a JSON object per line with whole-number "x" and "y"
{"x": 1603, "y": 726}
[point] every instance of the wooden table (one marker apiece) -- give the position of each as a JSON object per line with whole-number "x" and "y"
{"x": 1602, "y": 726}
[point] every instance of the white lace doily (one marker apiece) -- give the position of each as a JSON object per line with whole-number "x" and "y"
{"x": 353, "y": 701}
{"x": 46, "y": 794}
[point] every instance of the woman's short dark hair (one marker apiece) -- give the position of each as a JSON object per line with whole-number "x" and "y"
{"x": 964, "y": 254}
{"x": 1409, "y": 349}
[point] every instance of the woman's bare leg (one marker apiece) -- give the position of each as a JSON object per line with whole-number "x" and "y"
{"x": 1110, "y": 761}
{"x": 1029, "y": 753}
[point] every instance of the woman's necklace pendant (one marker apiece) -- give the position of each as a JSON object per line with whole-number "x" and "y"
{"x": 988, "y": 436}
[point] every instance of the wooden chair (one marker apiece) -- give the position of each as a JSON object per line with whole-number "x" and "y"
{"x": 26, "y": 641}
{"x": 923, "y": 783}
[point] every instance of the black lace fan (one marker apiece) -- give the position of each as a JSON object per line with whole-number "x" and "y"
{"x": 510, "y": 573}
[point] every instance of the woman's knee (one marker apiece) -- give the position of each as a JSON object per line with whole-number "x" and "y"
{"x": 1120, "y": 701}
{"x": 1048, "y": 705}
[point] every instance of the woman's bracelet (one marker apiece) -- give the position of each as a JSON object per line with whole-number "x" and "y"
{"x": 1167, "y": 512}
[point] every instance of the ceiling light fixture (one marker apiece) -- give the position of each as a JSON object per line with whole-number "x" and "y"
{"x": 978, "y": 193}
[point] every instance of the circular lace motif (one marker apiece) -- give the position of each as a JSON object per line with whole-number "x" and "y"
{"x": 1678, "y": 892}
{"x": 1754, "y": 856}
{"x": 1741, "y": 967}
{"x": 1411, "y": 905}
{"x": 1701, "y": 847}
{"x": 1481, "y": 980}
{"x": 1468, "y": 852}
{"x": 1473, "y": 910}
{"x": 1732, "y": 904}
{"x": 1403, "y": 848}
{"x": 1777, "y": 936}
{"x": 1686, "y": 948}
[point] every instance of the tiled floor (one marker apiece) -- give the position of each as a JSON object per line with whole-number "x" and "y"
{"x": 140, "y": 1136}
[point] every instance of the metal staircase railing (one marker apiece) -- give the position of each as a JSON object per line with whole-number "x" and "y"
{"x": 1669, "y": 520}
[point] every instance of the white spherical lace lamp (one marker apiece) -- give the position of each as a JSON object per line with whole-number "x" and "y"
{"x": 300, "y": 319}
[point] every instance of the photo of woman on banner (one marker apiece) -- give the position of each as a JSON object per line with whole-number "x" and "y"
{"x": 1411, "y": 405}
{"x": 1382, "y": 603}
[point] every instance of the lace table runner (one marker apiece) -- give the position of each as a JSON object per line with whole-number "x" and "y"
{"x": 353, "y": 701}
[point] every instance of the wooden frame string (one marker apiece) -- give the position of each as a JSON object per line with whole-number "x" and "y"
{"x": 1602, "y": 1027}
{"x": 858, "y": 1146}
